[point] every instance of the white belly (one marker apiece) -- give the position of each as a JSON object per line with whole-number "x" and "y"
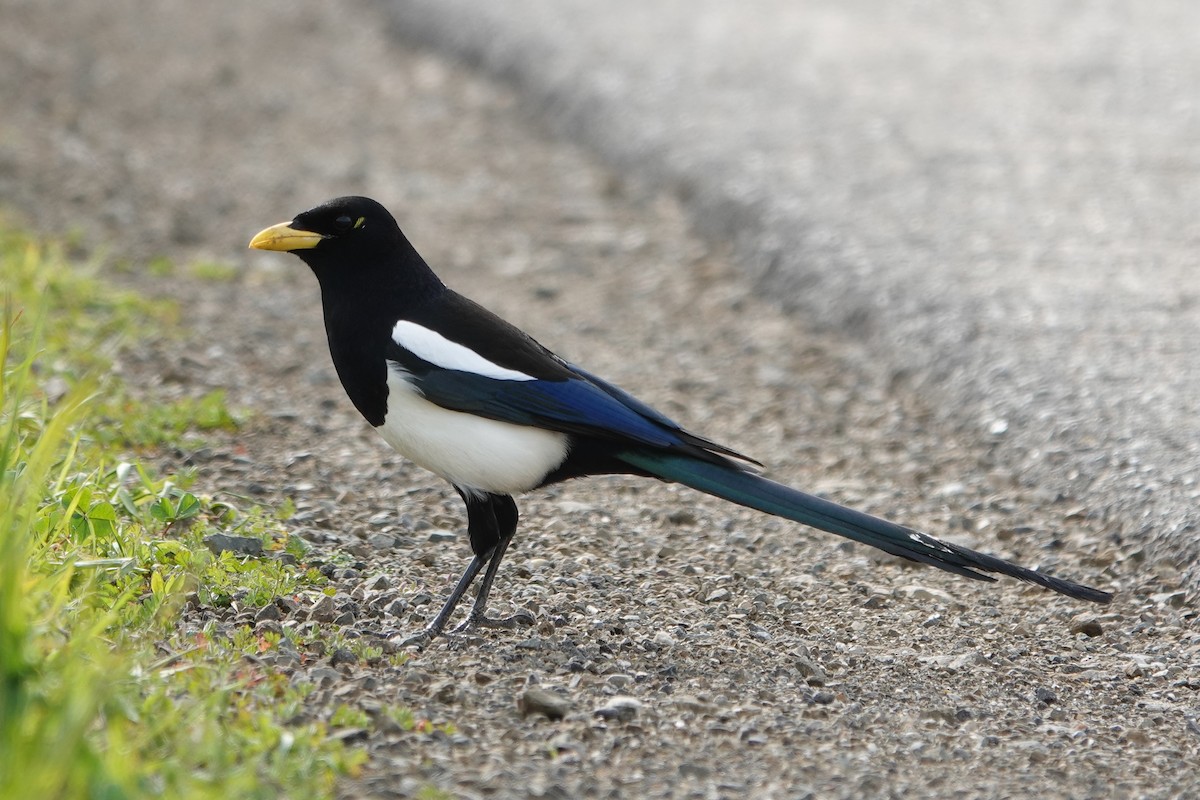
{"x": 469, "y": 451}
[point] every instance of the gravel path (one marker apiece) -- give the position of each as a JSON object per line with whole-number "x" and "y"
{"x": 700, "y": 650}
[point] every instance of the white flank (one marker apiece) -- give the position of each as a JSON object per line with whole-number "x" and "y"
{"x": 469, "y": 451}
{"x": 437, "y": 349}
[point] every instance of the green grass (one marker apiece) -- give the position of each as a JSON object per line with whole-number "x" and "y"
{"x": 127, "y": 422}
{"x": 103, "y": 692}
{"x": 214, "y": 271}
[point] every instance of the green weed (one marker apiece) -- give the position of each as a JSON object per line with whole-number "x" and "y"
{"x": 103, "y": 692}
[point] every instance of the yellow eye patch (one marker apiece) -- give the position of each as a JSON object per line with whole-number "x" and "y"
{"x": 360, "y": 222}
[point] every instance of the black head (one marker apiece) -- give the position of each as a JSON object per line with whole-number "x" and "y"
{"x": 345, "y": 234}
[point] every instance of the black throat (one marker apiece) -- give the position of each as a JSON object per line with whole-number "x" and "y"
{"x": 361, "y": 305}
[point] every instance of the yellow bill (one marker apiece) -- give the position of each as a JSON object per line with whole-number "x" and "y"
{"x": 286, "y": 238}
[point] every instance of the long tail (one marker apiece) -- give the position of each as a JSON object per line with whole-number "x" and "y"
{"x": 729, "y": 482}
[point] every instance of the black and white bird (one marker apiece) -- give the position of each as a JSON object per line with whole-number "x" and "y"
{"x": 467, "y": 396}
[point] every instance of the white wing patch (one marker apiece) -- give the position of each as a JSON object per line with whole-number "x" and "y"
{"x": 440, "y": 351}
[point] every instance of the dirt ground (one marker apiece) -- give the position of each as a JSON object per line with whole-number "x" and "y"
{"x": 703, "y": 651}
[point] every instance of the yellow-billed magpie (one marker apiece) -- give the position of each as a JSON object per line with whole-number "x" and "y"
{"x": 466, "y": 395}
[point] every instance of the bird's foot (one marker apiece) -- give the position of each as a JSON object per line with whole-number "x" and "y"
{"x": 473, "y": 621}
{"x": 420, "y": 639}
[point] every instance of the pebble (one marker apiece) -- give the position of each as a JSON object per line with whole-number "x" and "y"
{"x": 324, "y": 610}
{"x": 445, "y": 691}
{"x": 1087, "y": 624}
{"x": 925, "y": 594}
{"x": 268, "y": 626}
{"x": 342, "y": 655}
{"x": 694, "y": 704}
{"x": 287, "y": 605}
{"x": 810, "y": 670}
{"x": 621, "y": 708}
{"x": 1044, "y": 695}
{"x": 381, "y": 541}
{"x": 619, "y": 681}
{"x": 238, "y": 545}
{"x": 1173, "y": 599}
{"x": 324, "y": 676}
{"x": 536, "y": 700}
{"x": 682, "y": 516}
{"x": 717, "y": 596}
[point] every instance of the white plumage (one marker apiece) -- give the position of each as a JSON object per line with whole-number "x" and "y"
{"x": 469, "y": 451}
{"x": 431, "y": 346}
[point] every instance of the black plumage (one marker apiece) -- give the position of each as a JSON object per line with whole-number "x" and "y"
{"x": 472, "y": 398}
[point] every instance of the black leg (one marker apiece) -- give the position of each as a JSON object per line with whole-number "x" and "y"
{"x": 438, "y": 624}
{"x": 491, "y": 523}
{"x": 504, "y": 511}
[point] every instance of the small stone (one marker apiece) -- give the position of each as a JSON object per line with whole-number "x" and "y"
{"x": 442, "y": 536}
{"x": 350, "y": 735}
{"x": 1173, "y": 599}
{"x": 925, "y": 594}
{"x": 268, "y": 612}
{"x": 1087, "y": 624}
{"x": 324, "y": 610}
{"x": 717, "y": 596}
{"x": 619, "y": 681}
{"x": 238, "y": 545}
{"x": 536, "y": 700}
{"x": 324, "y": 676}
{"x": 1045, "y": 696}
{"x": 268, "y": 626}
{"x": 694, "y": 704}
{"x": 444, "y": 691}
{"x": 663, "y": 639}
{"x": 621, "y": 709}
{"x": 286, "y": 605}
{"x": 342, "y": 655}
{"x": 810, "y": 670}
{"x": 381, "y": 541}
{"x": 682, "y": 516}
{"x": 824, "y": 698}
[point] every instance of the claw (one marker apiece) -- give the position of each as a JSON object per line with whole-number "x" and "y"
{"x": 420, "y": 639}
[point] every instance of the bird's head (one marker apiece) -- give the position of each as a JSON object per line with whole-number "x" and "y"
{"x": 338, "y": 234}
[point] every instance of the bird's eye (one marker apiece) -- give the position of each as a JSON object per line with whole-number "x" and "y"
{"x": 343, "y": 223}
